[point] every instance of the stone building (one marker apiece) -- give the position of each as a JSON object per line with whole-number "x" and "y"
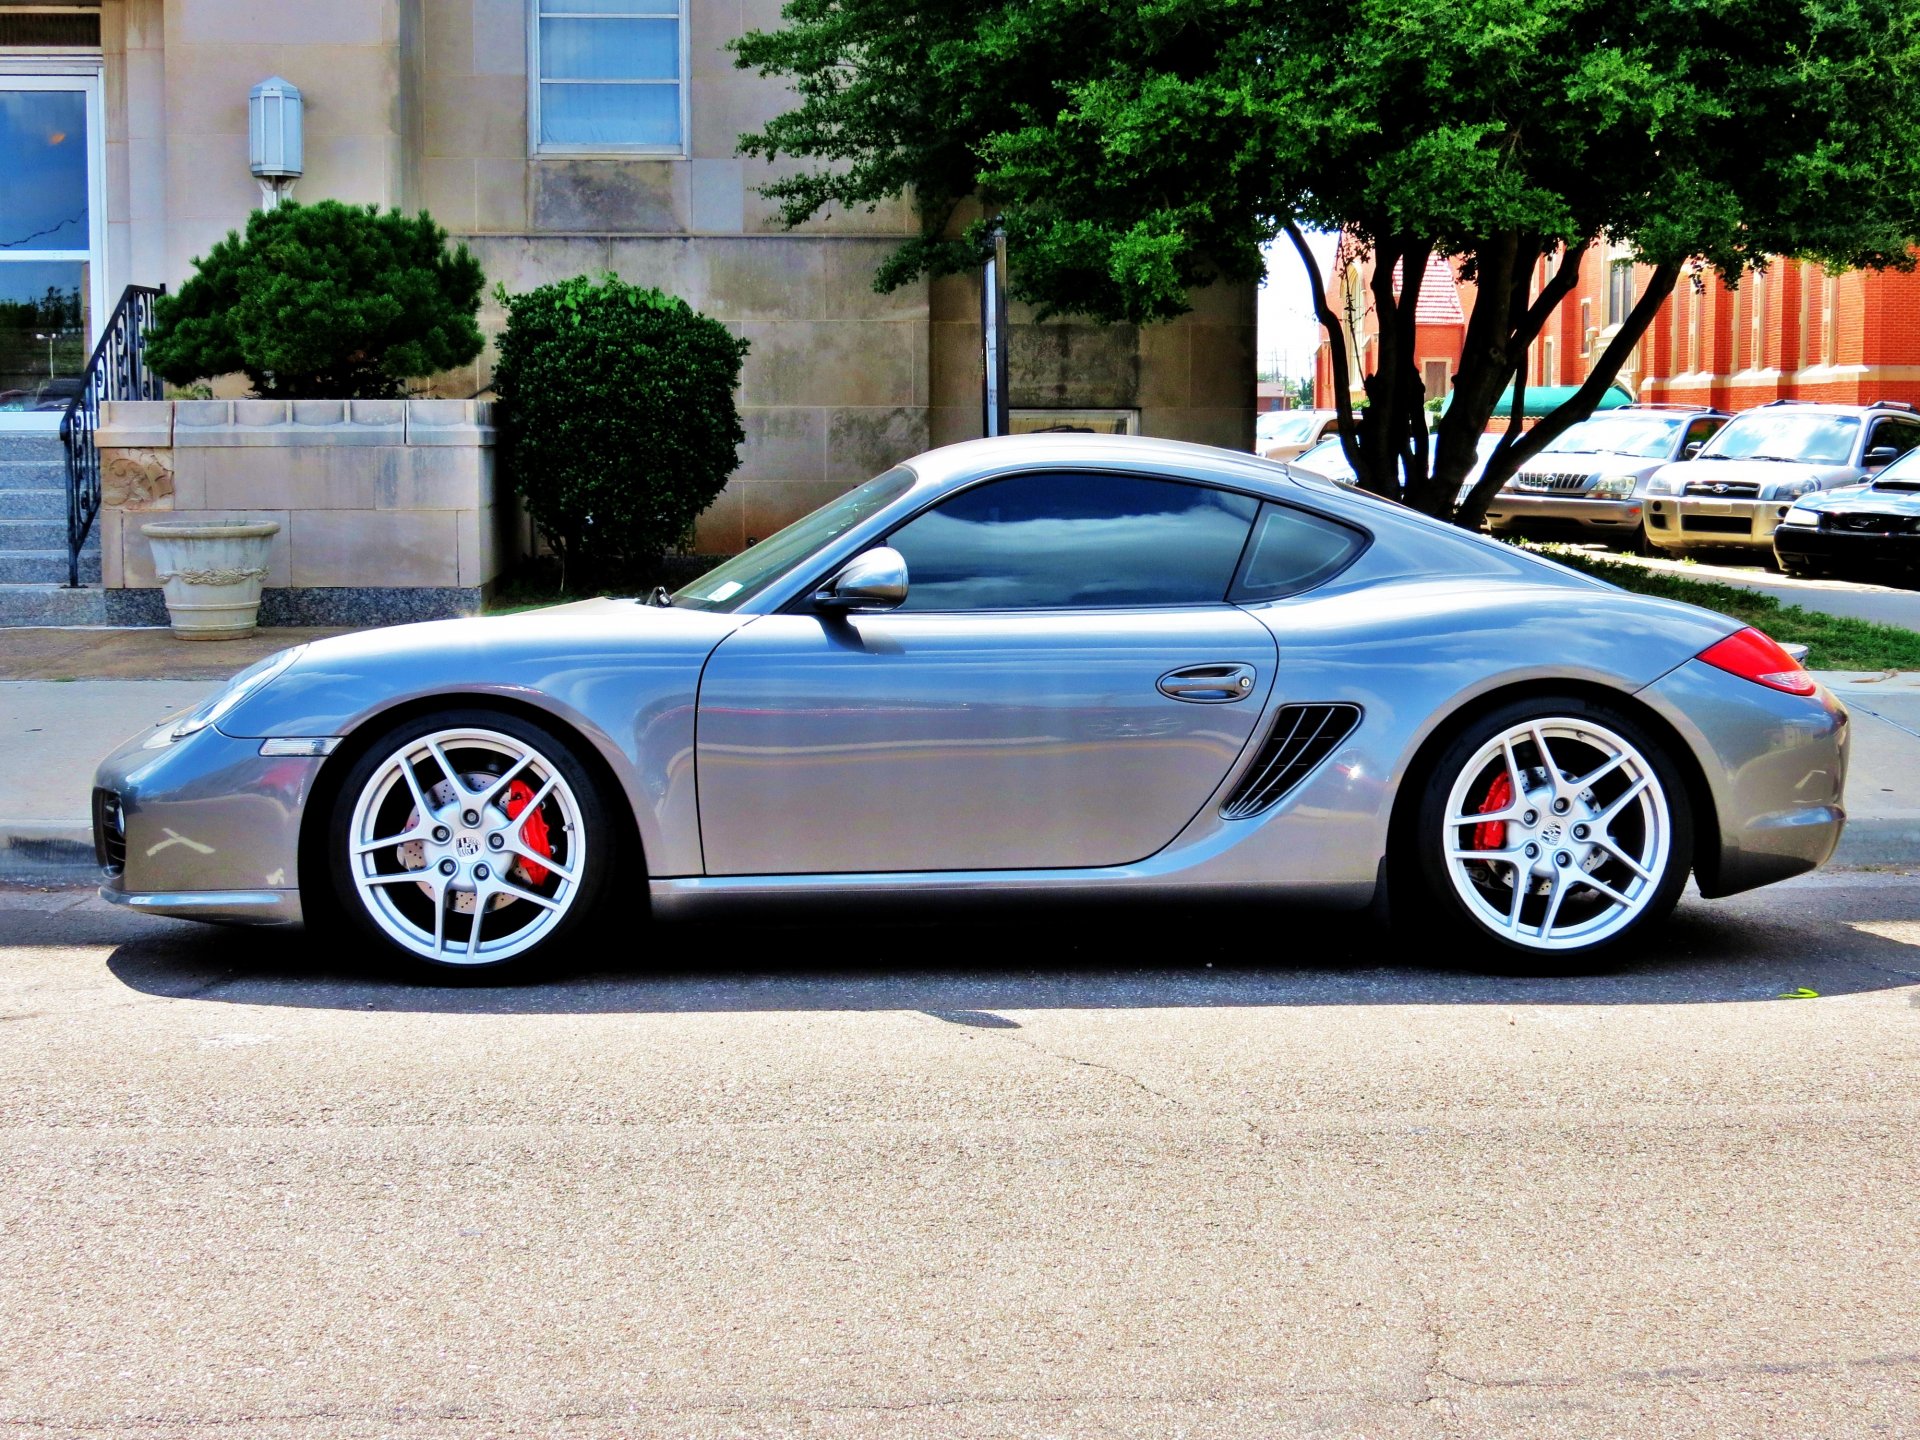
{"x": 556, "y": 137}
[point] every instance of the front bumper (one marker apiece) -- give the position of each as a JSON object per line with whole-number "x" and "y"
{"x": 1775, "y": 766}
{"x": 1688, "y": 522}
{"x": 207, "y": 828}
{"x": 1516, "y": 511}
{"x": 1843, "y": 547}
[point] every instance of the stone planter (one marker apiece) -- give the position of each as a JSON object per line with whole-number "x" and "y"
{"x": 211, "y": 575}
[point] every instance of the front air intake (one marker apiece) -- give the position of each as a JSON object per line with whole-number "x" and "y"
{"x": 1302, "y": 736}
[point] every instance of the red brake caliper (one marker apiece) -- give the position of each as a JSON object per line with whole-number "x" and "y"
{"x": 534, "y": 832}
{"x": 1493, "y": 834}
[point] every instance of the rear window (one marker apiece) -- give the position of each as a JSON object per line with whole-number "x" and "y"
{"x": 1294, "y": 550}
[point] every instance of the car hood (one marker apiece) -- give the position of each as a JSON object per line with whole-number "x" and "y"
{"x": 568, "y": 657}
{"x": 1562, "y": 462}
{"x": 1765, "y": 472}
{"x": 1864, "y": 499}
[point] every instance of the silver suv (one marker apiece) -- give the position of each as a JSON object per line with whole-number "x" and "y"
{"x": 1591, "y": 483}
{"x": 1740, "y": 485}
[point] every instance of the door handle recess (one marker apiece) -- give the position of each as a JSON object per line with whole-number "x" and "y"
{"x": 1208, "y": 684}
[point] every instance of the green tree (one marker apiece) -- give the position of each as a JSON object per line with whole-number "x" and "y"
{"x": 617, "y": 420}
{"x": 1134, "y": 152}
{"x": 323, "y": 301}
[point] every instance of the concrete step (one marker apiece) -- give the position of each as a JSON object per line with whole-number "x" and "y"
{"x": 44, "y": 505}
{"x": 38, "y": 446}
{"x": 46, "y": 567}
{"x": 52, "y": 605}
{"x": 38, "y": 535}
{"x": 32, "y": 474}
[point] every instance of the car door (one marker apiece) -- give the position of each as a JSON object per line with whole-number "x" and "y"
{"x": 1064, "y": 686}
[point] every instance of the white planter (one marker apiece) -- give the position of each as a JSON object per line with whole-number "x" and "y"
{"x": 211, "y": 575}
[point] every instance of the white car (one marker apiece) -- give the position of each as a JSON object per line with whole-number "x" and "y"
{"x": 1283, "y": 434}
{"x": 1329, "y": 461}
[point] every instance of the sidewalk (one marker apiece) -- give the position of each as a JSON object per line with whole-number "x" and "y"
{"x": 1855, "y": 599}
{"x": 68, "y": 698}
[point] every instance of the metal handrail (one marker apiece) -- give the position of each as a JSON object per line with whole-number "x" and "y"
{"x": 117, "y": 370}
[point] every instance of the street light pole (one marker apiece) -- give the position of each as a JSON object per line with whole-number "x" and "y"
{"x": 993, "y": 331}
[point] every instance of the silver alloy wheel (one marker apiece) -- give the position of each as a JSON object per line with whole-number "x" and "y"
{"x": 467, "y": 846}
{"x": 1557, "y": 834}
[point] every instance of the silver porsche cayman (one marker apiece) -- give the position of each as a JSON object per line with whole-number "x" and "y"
{"x": 1066, "y": 668}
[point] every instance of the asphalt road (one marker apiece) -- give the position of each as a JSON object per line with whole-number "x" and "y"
{"x": 1052, "y": 1177}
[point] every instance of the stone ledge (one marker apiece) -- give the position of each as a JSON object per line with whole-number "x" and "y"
{"x": 155, "y": 424}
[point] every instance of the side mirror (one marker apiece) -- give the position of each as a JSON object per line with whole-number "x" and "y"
{"x": 1881, "y": 455}
{"x": 1691, "y": 449}
{"x": 872, "y": 580}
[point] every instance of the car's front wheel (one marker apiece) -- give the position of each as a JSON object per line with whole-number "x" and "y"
{"x": 1555, "y": 828}
{"x": 470, "y": 842}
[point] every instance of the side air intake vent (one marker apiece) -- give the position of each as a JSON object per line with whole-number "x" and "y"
{"x": 1302, "y": 736}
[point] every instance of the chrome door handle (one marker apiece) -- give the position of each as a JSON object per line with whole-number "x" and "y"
{"x": 1208, "y": 684}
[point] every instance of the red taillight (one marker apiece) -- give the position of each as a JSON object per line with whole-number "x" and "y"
{"x": 1756, "y": 657}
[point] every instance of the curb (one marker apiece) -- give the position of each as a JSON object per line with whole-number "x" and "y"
{"x": 63, "y": 855}
{"x": 58, "y": 854}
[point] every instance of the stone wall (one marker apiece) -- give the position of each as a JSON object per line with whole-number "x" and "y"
{"x": 387, "y": 508}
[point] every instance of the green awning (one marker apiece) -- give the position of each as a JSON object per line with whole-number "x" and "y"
{"x": 1544, "y": 399}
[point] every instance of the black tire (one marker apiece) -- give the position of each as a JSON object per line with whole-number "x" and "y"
{"x": 590, "y": 833}
{"x": 1427, "y": 877}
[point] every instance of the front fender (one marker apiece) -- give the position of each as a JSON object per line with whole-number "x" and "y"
{"x": 621, "y": 677}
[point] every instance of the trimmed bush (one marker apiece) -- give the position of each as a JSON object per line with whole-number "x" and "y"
{"x": 617, "y": 422}
{"x": 323, "y": 301}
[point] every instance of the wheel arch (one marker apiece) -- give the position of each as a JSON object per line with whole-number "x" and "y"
{"x": 1699, "y": 794}
{"x": 316, "y": 892}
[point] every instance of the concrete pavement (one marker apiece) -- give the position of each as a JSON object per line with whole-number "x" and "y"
{"x": 1003, "y": 1181}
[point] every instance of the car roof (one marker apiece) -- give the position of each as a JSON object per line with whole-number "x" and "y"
{"x": 1829, "y": 407}
{"x": 972, "y": 459}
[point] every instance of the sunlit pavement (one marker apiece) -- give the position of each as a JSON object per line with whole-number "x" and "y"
{"x": 1243, "y": 1175}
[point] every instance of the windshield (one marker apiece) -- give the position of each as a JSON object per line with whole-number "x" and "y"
{"x": 732, "y": 584}
{"x": 1645, "y": 436}
{"x": 1905, "y": 470}
{"x": 1782, "y": 435}
{"x": 1286, "y": 426}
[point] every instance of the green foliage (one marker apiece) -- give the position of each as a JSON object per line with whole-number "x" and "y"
{"x": 1834, "y": 642}
{"x": 1133, "y": 152}
{"x": 323, "y": 301}
{"x": 617, "y": 419}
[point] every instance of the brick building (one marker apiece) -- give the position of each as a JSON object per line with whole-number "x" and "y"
{"x": 1790, "y": 333}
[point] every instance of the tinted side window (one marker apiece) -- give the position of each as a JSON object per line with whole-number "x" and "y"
{"x": 1900, "y": 434}
{"x": 1294, "y": 551}
{"x": 1056, "y": 540}
{"x": 1700, "y": 431}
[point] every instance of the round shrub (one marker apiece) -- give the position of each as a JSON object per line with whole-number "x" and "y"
{"x": 617, "y": 422}
{"x": 323, "y": 301}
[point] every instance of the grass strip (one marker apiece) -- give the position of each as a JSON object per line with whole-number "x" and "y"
{"x": 1834, "y": 642}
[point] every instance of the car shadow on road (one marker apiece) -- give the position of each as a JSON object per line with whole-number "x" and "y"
{"x": 979, "y": 974}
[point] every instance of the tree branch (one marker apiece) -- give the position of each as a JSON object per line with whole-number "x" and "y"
{"x": 1337, "y": 357}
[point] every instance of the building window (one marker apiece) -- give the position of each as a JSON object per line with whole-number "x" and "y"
{"x": 1736, "y": 330}
{"x": 1586, "y": 329}
{"x": 1694, "y": 307}
{"x": 1829, "y": 306}
{"x": 1619, "y": 291}
{"x": 1435, "y": 376}
{"x": 608, "y": 75}
{"x": 1549, "y": 372}
{"x": 1758, "y": 306}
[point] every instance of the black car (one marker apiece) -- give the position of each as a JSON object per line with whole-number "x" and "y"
{"x": 1861, "y": 527}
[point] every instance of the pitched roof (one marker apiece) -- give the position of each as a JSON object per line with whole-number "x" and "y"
{"x": 1439, "y": 299}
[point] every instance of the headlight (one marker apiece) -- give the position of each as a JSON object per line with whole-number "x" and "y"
{"x": 1663, "y": 485}
{"x": 1801, "y": 515}
{"x": 253, "y": 678}
{"x": 1615, "y": 487}
{"x": 1793, "y": 489}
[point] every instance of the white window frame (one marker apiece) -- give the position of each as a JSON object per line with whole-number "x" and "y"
{"x": 640, "y": 10}
{"x": 24, "y": 71}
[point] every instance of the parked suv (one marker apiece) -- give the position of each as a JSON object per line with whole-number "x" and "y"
{"x": 1591, "y": 482}
{"x": 1739, "y": 487}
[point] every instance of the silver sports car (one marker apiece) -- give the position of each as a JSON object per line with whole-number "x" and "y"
{"x": 1056, "y": 667}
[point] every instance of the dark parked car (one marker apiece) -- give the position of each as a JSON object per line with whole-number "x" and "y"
{"x": 1863, "y": 527}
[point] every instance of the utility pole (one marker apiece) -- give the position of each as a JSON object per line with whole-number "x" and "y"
{"x": 993, "y": 332}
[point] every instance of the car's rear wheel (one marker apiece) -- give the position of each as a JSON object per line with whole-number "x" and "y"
{"x": 1555, "y": 830}
{"x": 468, "y": 843}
